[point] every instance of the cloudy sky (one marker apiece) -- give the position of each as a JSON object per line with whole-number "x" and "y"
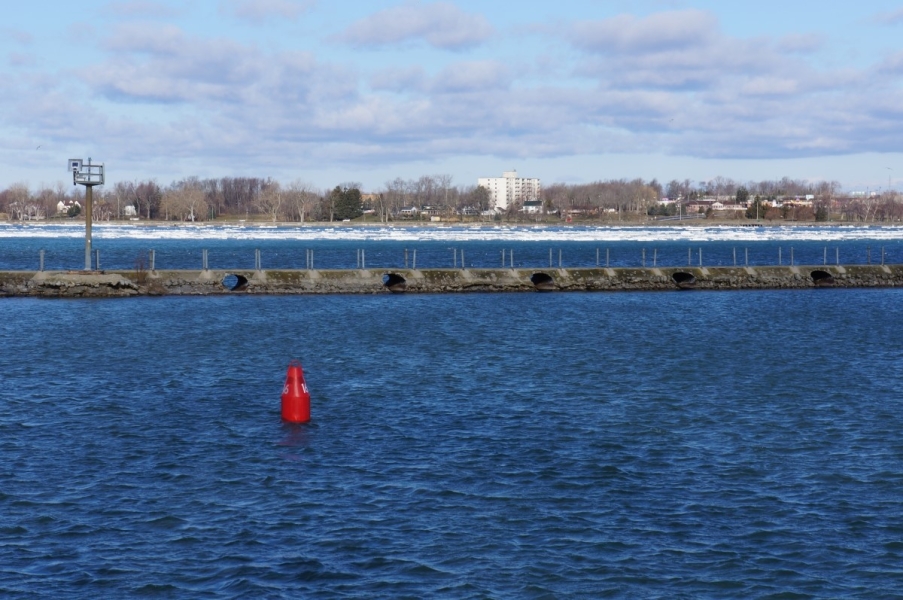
{"x": 368, "y": 90}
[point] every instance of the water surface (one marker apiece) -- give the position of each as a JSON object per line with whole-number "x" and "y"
{"x": 468, "y": 446}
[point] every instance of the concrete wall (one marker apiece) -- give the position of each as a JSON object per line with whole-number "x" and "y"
{"x": 371, "y": 281}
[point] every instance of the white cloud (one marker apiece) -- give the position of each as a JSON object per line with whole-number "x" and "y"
{"x": 140, "y": 8}
{"x": 471, "y": 76}
{"x": 439, "y": 24}
{"x": 659, "y": 32}
{"x": 244, "y": 103}
{"x": 693, "y": 90}
{"x": 770, "y": 86}
{"x": 892, "y": 64}
{"x": 19, "y": 59}
{"x": 162, "y": 64}
{"x": 258, "y": 11}
{"x": 686, "y": 52}
{"x": 405, "y": 79}
{"x": 22, "y": 37}
{"x": 802, "y": 43}
{"x": 679, "y": 50}
{"x": 894, "y": 17}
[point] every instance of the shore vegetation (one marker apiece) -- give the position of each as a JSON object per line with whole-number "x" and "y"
{"x": 436, "y": 198}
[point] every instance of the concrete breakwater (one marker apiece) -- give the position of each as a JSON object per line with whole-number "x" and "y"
{"x": 72, "y": 284}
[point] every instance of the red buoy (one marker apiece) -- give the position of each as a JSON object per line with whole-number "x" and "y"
{"x": 295, "y": 397}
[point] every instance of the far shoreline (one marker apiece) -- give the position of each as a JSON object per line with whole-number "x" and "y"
{"x": 689, "y": 223}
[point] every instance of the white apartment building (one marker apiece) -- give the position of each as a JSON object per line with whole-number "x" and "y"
{"x": 510, "y": 188}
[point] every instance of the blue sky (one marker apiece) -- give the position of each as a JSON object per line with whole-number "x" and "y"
{"x": 568, "y": 91}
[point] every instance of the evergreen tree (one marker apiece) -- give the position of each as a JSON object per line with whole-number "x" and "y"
{"x": 757, "y": 209}
{"x": 347, "y": 203}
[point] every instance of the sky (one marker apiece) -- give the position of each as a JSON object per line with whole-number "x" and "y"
{"x": 370, "y": 90}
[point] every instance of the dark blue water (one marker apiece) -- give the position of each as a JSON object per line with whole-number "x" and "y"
{"x": 285, "y": 248}
{"x": 656, "y": 445}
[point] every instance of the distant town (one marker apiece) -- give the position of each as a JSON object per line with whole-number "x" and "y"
{"x": 509, "y": 198}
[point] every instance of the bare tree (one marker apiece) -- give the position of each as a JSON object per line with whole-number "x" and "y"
{"x": 270, "y": 200}
{"x": 443, "y": 186}
{"x": 148, "y": 196}
{"x": 18, "y": 201}
{"x": 301, "y": 199}
{"x": 124, "y": 192}
{"x": 195, "y": 201}
{"x": 395, "y": 195}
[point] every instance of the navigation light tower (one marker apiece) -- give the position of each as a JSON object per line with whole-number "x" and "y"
{"x": 87, "y": 175}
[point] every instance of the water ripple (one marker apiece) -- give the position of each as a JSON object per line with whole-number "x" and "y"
{"x": 538, "y": 446}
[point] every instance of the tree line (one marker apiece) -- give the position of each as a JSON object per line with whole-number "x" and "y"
{"x": 194, "y": 199}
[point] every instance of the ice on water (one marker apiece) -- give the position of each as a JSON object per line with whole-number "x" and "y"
{"x": 453, "y": 233}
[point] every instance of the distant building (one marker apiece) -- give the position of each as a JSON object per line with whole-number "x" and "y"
{"x": 509, "y": 188}
{"x": 63, "y": 207}
{"x": 532, "y": 207}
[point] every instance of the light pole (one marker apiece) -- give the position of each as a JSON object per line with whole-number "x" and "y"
{"x": 87, "y": 175}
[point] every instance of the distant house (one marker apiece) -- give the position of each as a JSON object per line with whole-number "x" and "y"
{"x": 700, "y": 205}
{"x": 130, "y": 211}
{"x": 532, "y": 207}
{"x": 409, "y": 211}
{"x": 62, "y": 207}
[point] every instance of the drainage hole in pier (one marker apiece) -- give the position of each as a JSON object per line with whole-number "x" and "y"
{"x": 394, "y": 282}
{"x": 542, "y": 282}
{"x": 235, "y": 283}
{"x": 822, "y": 278}
{"x": 684, "y": 281}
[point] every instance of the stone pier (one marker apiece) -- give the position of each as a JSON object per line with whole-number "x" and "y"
{"x": 73, "y": 284}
